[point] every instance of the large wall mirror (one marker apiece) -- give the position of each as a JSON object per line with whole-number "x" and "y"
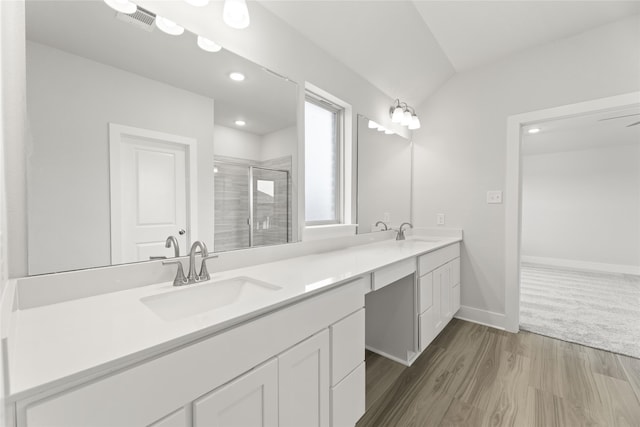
{"x": 136, "y": 135}
{"x": 384, "y": 177}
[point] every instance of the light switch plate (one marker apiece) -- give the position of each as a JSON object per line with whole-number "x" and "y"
{"x": 440, "y": 219}
{"x": 494, "y": 196}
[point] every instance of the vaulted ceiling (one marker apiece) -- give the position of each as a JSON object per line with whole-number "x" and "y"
{"x": 408, "y": 49}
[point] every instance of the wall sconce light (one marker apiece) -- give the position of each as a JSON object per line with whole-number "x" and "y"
{"x": 402, "y": 113}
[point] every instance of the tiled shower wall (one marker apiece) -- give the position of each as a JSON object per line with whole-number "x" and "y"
{"x": 232, "y": 204}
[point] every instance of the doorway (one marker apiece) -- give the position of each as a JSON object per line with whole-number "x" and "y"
{"x": 513, "y": 202}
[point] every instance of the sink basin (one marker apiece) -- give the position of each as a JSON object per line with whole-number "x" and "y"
{"x": 199, "y": 298}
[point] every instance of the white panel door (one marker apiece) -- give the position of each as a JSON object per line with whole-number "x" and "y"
{"x": 150, "y": 194}
{"x": 304, "y": 383}
{"x": 251, "y": 400}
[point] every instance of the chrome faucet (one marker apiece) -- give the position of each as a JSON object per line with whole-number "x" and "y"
{"x": 192, "y": 277}
{"x": 386, "y": 227}
{"x": 171, "y": 240}
{"x": 400, "y": 235}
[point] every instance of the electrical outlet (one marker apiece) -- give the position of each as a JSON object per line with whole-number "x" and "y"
{"x": 386, "y": 217}
{"x": 440, "y": 219}
{"x": 494, "y": 197}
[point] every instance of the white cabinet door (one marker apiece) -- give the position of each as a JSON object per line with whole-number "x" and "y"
{"x": 455, "y": 294}
{"x": 439, "y": 277}
{"x": 176, "y": 419}
{"x": 251, "y": 400}
{"x": 304, "y": 383}
{"x": 445, "y": 294}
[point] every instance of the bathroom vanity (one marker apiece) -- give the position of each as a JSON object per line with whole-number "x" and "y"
{"x": 289, "y": 355}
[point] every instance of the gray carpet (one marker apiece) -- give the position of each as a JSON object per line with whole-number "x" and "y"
{"x": 594, "y": 309}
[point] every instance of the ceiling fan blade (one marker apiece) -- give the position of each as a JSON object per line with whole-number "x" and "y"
{"x": 619, "y": 117}
{"x": 633, "y": 124}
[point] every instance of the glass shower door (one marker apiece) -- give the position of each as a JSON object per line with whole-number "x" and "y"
{"x": 270, "y": 210}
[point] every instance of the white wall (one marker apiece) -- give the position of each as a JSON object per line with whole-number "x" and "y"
{"x": 583, "y": 205}
{"x": 70, "y": 102}
{"x": 278, "y": 144}
{"x": 231, "y": 142}
{"x": 460, "y": 151}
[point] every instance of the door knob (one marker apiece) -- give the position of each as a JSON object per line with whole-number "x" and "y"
{"x": 181, "y": 232}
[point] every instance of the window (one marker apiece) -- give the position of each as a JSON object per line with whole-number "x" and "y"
{"x": 323, "y": 157}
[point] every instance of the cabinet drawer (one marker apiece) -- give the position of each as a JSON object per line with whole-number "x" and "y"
{"x": 389, "y": 274}
{"x": 428, "y": 325}
{"x": 426, "y": 292}
{"x": 347, "y": 345}
{"x": 348, "y": 399}
{"x": 432, "y": 260}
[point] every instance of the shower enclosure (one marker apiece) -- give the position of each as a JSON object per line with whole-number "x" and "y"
{"x": 252, "y": 206}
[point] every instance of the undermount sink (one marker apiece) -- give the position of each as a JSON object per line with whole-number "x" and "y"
{"x": 199, "y": 298}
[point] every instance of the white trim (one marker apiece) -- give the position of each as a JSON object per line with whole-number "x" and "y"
{"x": 513, "y": 187}
{"x": 482, "y": 317}
{"x": 116, "y": 132}
{"x": 573, "y": 264}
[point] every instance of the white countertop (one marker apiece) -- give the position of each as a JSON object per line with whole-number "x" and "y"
{"x": 56, "y": 344}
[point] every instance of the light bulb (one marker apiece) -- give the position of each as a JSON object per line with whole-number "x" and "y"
{"x": 124, "y": 6}
{"x": 197, "y": 3}
{"x": 236, "y": 14}
{"x": 372, "y": 124}
{"x": 406, "y": 118}
{"x": 396, "y": 117}
{"x": 208, "y": 45}
{"x": 415, "y": 123}
{"x": 168, "y": 26}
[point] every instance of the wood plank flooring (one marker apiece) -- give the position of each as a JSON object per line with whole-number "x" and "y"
{"x": 473, "y": 375}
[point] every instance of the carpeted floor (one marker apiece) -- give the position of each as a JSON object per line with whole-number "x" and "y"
{"x": 594, "y": 309}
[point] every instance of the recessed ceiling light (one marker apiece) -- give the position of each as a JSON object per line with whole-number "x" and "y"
{"x": 534, "y": 130}
{"x": 236, "y": 14}
{"x": 168, "y": 26}
{"x": 124, "y": 6}
{"x": 240, "y": 122}
{"x": 235, "y": 76}
{"x": 208, "y": 45}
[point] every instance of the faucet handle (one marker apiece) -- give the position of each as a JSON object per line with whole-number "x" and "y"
{"x": 180, "y": 279}
{"x": 204, "y": 273}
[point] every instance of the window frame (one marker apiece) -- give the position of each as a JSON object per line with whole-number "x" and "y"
{"x": 339, "y": 112}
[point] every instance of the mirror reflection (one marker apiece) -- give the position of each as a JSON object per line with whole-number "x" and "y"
{"x": 137, "y": 135}
{"x": 384, "y": 178}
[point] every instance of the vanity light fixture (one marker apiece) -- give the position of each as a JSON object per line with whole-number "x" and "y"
{"x": 124, "y": 6}
{"x": 168, "y": 26}
{"x": 404, "y": 114}
{"x": 533, "y": 130}
{"x": 236, "y": 14}
{"x": 240, "y": 122}
{"x": 197, "y": 3}
{"x": 237, "y": 77}
{"x": 208, "y": 45}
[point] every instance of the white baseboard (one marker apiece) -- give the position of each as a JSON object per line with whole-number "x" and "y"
{"x": 483, "y": 317}
{"x": 583, "y": 265}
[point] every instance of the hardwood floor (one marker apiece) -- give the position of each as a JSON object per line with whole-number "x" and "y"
{"x": 473, "y": 375}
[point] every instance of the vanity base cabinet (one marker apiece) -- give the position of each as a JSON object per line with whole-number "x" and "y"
{"x": 439, "y": 291}
{"x": 153, "y": 389}
{"x": 303, "y": 388}
{"x": 251, "y": 400}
